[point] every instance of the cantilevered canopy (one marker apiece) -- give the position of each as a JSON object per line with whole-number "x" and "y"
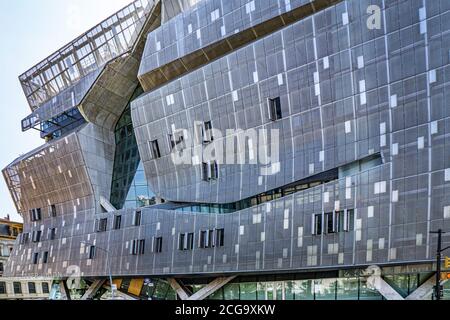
{"x": 106, "y": 54}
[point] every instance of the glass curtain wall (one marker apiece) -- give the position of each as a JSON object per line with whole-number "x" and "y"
{"x": 129, "y": 186}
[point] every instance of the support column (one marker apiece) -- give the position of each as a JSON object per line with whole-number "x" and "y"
{"x": 210, "y": 288}
{"x": 179, "y": 290}
{"x": 95, "y": 286}
{"x": 425, "y": 291}
{"x": 119, "y": 294}
{"x": 376, "y": 282}
{"x": 65, "y": 294}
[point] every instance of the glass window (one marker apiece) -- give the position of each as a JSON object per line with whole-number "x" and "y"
{"x": 2, "y": 287}
{"x": 218, "y": 295}
{"x": 347, "y": 289}
{"x": 317, "y": 224}
{"x": 137, "y": 218}
{"x": 325, "y": 289}
{"x": 31, "y": 287}
{"x": 117, "y": 222}
{"x": 154, "y": 149}
{"x": 303, "y": 290}
{"x": 289, "y": 290}
{"x": 45, "y": 257}
{"x": 158, "y": 245}
{"x": 17, "y": 288}
{"x": 35, "y": 258}
{"x": 45, "y": 287}
{"x": 366, "y": 293}
{"x": 92, "y": 252}
{"x": 329, "y": 220}
{"x": 248, "y": 291}
{"x": 231, "y": 291}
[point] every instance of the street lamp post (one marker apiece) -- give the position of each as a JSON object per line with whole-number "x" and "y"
{"x": 437, "y": 288}
{"x": 108, "y": 264}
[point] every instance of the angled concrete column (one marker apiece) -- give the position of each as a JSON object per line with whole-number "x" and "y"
{"x": 210, "y": 288}
{"x": 107, "y": 205}
{"x": 65, "y": 294}
{"x": 179, "y": 290}
{"x": 425, "y": 291}
{"x": 119, "y": 294}
{"x": 376, "y": 282}
{"x": 95, "y": 286}
{"x": 387, "y": 291}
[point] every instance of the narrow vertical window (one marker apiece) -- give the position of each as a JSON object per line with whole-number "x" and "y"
{"x": 92, "y": 252}
{"x": 53, "y": 211}
{"x": 190, "y": 241}
{"x": 158, "y": 245}
{"x": 154, "y": 149}
{"x": 35, "y": 258}
{"x": 208, "y": 132}
{"x": 45, "y": 257}
{"x": 274, "y": 106}
{"x": 181, "y": 237}
{"x": 202, "y": 241}
{"x": 329, "y": 220}
{"x": 317, "y": 224}
{"x": 52, "y": 234}
{"x": 102, "y": 225}
{"x": 117, "y": 222}
{"x": 220, "y": 235}
{"x": 214, "y": 170}
{"x": 206, "y": 171}
{"x": 137, "y": 218}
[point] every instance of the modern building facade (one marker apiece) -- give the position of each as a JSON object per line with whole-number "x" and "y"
{"x": 251, "y": 149}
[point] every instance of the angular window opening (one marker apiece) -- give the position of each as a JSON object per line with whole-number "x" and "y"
{"x": 210, "y": 171}
{"x": 220, "y": 237}
{"x": 207, "y": 132}
{"x": 24, "y": 238}
{"x": 92, "y": 252}
{"x": 181, "y": 237}
{"x": 345, "y": 220}
{"x": 317, "y": 224}
{"x": 102, "y": 225}
{"x": 35, "y": 215}
{"x": 117, "y": 222}
{"x": 2, "y": 287}
{"x": 329, "y": 220}
{"x": 154, "y": 150}
{"x": 190, "y": 241}
{"x": 185, "y": 241}
{"x": 35, "y": 258}
{"x": 176, "y": 141}
{"x": 158, "y": 245}
{"x": 137, "y": 247}
{"x": 52, "y": 234}
{"x": 37, "y": 236}
{"x": 137, "y": 218}
{"x": 52, "y": 211}
{"x": 274, "y": 106}
{"x": 45, "y": 257}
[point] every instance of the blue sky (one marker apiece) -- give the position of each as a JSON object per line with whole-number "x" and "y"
{"x": 31, "y": 30}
